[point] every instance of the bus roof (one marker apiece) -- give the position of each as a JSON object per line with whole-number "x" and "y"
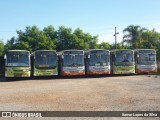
{"x": 71, "y": 50}
{"x": 144, "y": 49}
{"x": 32, "y": 54}
{"x": 121, "y": 50}
{"x": 62, "y": 52}
{"x": 19, "y": 50}
{"x": 97, "y": 49}
{"x": 45, "y": 50}
{"x": 92, "y": 50}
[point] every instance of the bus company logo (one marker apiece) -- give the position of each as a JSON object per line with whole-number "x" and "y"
{"x": 6, "y": 114}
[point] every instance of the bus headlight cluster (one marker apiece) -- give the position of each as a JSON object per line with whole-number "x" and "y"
{"x": 132, "y": 71}
{"x": 10, "y": 69}
{"x": 24, "y": 70}
{"x": 81, "y": 70}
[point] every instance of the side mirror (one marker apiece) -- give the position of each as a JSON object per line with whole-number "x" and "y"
{"x": 5, "y": 56}
{"x": 62, "y": 57}
{"x": 88, "y": 56}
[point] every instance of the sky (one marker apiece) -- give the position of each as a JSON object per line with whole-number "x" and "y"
{"x": 97, "y": 17}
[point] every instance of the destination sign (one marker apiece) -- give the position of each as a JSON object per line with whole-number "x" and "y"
{"x": 99, "y": 52}
{"x": 147, "y": 51}
{"x": 124, "y": 51}
{"x": 73, "y": 52}
{"x": 45, "y": 53}
{"x": 17, "y": 53}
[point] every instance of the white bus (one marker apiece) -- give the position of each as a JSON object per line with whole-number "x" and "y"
{"x": 71, "y": 62}
{"x": 97, "y": 61}
{"x": 145, "y": 60}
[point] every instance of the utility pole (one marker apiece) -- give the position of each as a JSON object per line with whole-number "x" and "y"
{"x": 116, "y": 37}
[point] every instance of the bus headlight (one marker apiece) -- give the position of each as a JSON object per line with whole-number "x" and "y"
{"x": 24, "y": 70}
{"x": 131, "y": 71}
{"x": 81, "y": 70}
{"x": 10, "y": 69}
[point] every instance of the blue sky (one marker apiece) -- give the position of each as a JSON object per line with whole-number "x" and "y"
{"x": 97, "y": 17}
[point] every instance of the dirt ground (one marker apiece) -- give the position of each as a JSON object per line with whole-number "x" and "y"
{"x": 118, "y": 93}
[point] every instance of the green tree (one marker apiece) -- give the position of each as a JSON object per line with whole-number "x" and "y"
{"x": 10, "y": 44}
{"x": 50, "y": 32}
{"x": 85, "y": 40}
{"x": 151, "y": 40}
{"x": 93, "y": 41}
{"x": 120, "y": 46}
{"x": 79, "y": 41}
{"x": 64, "y": 40}
{"x": 133, "y": 38}
{"x": 34, "y": 39}
{"x": 1, "y": 48}
{"x": 30, "y": 36}
{"x": 105, "y": 45}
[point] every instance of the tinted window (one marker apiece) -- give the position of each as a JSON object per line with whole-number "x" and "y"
{"x": 124, "y": 59}
{"x": 99, "y": 59}
{"x": 147, "y": 59}
{"x": 73, "y": 60}
{"x": 14, "y": 59}
{"x": 46, "y": 60}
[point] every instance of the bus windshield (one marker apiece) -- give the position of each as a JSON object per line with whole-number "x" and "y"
{"x": 124, "y": 59}
{"x": 73, "y": 60}
{"x": 147, "y": 59}
{"x": 17, "y": 59}
{"x": 99, "y": 59}
{"x": 45, "y": 60}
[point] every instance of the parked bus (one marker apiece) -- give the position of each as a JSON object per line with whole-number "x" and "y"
{"x": 97, "y": 61}
{"x": 45, "y": 63}
{"x": 145, "y": 60}
{"x": 71, "y": 62}
{"x": 17, "y": 63}
{"x": 122, "y": 62}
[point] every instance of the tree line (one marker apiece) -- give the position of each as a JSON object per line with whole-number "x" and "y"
{"x": 64, "y": 38}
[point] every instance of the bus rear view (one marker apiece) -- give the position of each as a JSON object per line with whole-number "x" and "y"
{"x": 17, "y": 63}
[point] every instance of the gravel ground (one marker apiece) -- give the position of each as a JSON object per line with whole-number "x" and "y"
{"x": 118, "y": 93}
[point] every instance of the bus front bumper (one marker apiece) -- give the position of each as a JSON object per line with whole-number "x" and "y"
{"x": 72, "y": 73}
{"x": 98, "y": 72}
{"x": 10, "y": 74}
{"x": 141, "y": 71}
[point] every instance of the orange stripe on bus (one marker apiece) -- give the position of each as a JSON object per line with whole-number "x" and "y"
{"x": 72, "y": 73}
{"x": 146, "y": 71}
{"x": 96, "y": 73}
